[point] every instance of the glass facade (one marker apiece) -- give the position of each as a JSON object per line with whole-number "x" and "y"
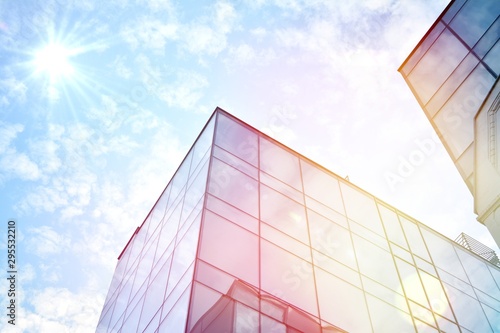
{"x": 250, "y": 236}
{"x": 452, "y": 71}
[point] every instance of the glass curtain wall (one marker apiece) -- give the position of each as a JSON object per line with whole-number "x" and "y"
{"x": 451, "y": 72}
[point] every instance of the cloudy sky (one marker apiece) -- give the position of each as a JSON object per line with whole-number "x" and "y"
{"x": 101, "y": 100}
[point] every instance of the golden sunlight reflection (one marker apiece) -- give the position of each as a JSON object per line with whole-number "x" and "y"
{"x": 433, "y": 294}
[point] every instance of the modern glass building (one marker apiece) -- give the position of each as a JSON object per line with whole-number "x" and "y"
{"x": 250, "y": 236}
{"x": 453, "y": 73}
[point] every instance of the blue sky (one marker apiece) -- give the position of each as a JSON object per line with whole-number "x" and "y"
{"x": 100, "y": 101}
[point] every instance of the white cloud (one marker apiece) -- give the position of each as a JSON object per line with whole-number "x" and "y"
{"x": 120, "y": 68}
{"x": 210, "y": 37}
{"x": 44, "y": 241}
{"x": 8, "y": 132}
{"x": 151, "y": 33}
{"x": 13, "y": 89}
{"x": 185, "y": 91}
{"x": 19, "y": 165}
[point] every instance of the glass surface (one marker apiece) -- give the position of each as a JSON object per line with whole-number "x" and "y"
{"x": 286, "y": 242}
{"x": 489, "y": 39}
{"x": 423, "y": 314}
{"x": 246, "y": 319}
{"x": 385, "y": 294}
{"x": 359, "y": 230}
{"x": 281, "y": 187}
{"x": 456, "y": 119}
{"x": 451, "y": 84}
{"x": 194, "y": 192}
{"x": 493, "y": 318}
{"x": 412, "y": 284}
{"x": 202, "y": 145}
{"x": 213, "y": 277}
{"x": 376, "y": 263}
{"x": 468, "y": 311}
{"x": 325, "y": 211}
{"x": 232, "y": 214}
{"x": 392, "y": 225}
{"x": 283, "y": 213}
{"x": 236, "y": 139}
{"x": 175, "y": 319}
{"x": 287, "y": 277}
{"x": 236, "y": 162}
{"x": 474, "y": 18}
{"x": 184, "y": 255}
{"x": 386, "y": 318}
{"x": 280, "y": 163}
{"x": 321, "y": 186}
{"x": 202, "y": 300}
{"x": 234, "y": 187}
{"x": 436, "y": 65}
{"x": 341, "y": 303}
{"x": 447, "y": 325}
{"x": 180, "y": 178}
{"x": 436, "y": 295}
{"x": 331, "y": 239}
{"x": 417, "y": 245}
{"x": 271, "y": 326}
{"x": 478, "y": 274}
{"x": 492, "y": 58}
{"x": 443, "y": 254}
{"x": 401, "y": 253}
{"x": 230, "y": 248}
{"x": 361, "y": 208}
{"x": 422, "y": 49}
{"x": 336, "y": 268}
{"x": 154, "y": 297}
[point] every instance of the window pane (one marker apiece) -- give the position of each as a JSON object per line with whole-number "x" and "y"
{"x": 411, "y": 282}
{"x": 456, "y": 119}
{"x": 232, "y": 214}
{"x": 361, "y": 208}
{"x": 331, "y": 239}
{"x": 234, "y": 187}
{"x": 236, "y": 139}
{"x": 286, "y": 242}
{"x": 280, "y": 163}
{"x": 376, "y": 263}
{"x": 385, "y": 294}
{"x": 175, "y": 320}
{"x": 288, "y": 277}
{"x": 202, "y": 145}
{"x": 283, "y": 213}
{"x": 468, "y": 311}
{"x": 321, "y": 186}
{"x": 202, "y": 301}
{"x": 230, "y": 248}
{"x": 478, "y": 274}
{"x": 443, "y": 254}
{"x": 342, "y": 303}
{"x": 386, "y": 318}
{"x": 236, "y": 162}
{"x": 436, "y": 65}
{"x": 417, "y": 245}
{"x": 474, "y": 19}
{"x": 392, "y": 226}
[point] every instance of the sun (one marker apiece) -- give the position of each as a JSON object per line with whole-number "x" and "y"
{"x": 53, "y": 60}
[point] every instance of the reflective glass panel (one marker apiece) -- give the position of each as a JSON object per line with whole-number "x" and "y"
{"x": 341, "y": 303}
{"x": 321, "y": 186}
{"x": 230, "y": 248}
{"x": 361, "y": 208}
{"x": 283, "y": 213}
{"x": 234, "y": 187}
{"x": 436, "y": 65}
{"x": 380, "y": 312}
{"x": 287, "y": 277}
{"x": 236, "y": 139}
{"x": 280, "y": 163}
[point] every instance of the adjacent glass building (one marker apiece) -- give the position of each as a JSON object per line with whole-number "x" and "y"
{"x": 453, "y": 73}
{"x": 250, "y": 236}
